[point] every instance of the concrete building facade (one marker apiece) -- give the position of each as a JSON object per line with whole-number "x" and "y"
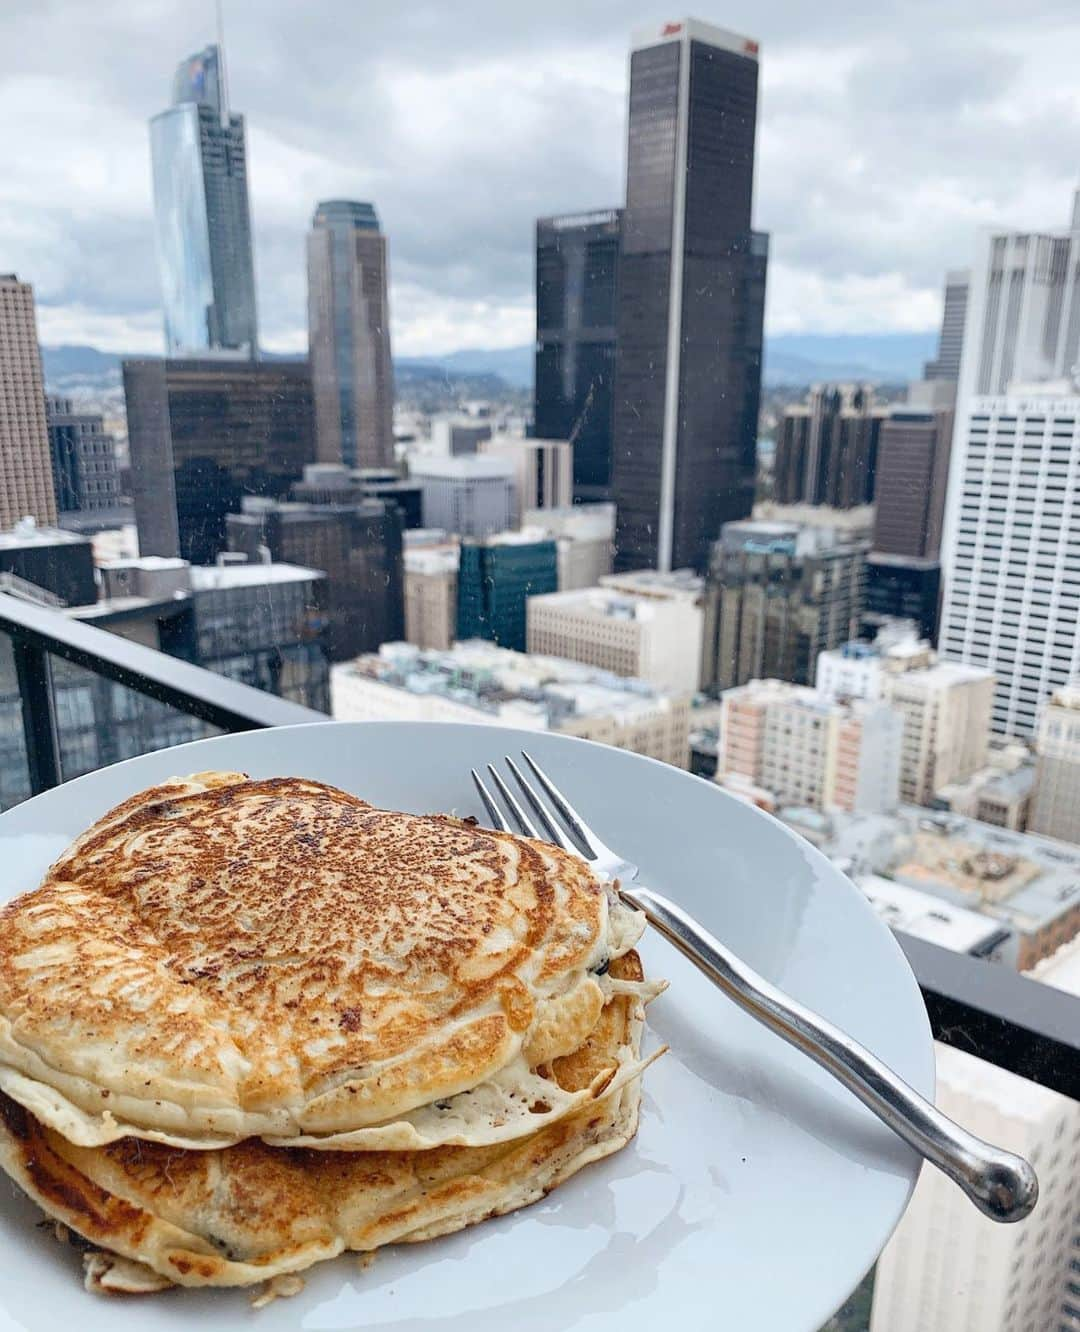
{"x": 652, "y": 638}
{"x": 471, "y": 496}
{"x": 1055, "y": 810}
{"x": 26, "y": 480}
{"x": 808, "y": 750}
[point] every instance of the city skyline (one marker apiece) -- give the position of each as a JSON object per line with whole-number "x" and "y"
{"x": 851, "y": 128}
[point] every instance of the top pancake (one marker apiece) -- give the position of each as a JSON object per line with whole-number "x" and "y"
{"x": 223, "y": 958}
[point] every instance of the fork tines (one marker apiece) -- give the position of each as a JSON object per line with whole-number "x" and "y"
{"x": 519, "y": 821}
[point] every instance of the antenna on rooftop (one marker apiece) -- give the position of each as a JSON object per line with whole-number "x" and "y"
{"x": 223, "y": 81}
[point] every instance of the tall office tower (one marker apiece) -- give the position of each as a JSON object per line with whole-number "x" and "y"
{"x": 496, "y": 576}
{"x": 349, "y": 335}
{"x": 83, "y": 459}
{"x": 1023, "y": 313}
{"x": 204, "y": 433}
{"x": 577, "y": 274}
{"x": 948, "y": 1269}
{"x": 26, "y": 483}
{"x": 690, "y": 298}
{"x": 543, "y": 470}
{"x": 912, "y": 475}
{"x": 1012, "y": 550}
{"x": 1055, "y": 809}
{"x": 946, "y": 365}
{"x": 471, "y": 495}
{"x": 777, "y": 595}
{"x": 201, "y": 214}
{"x": 358, "y": 546}
{"x": 827, "y": 449}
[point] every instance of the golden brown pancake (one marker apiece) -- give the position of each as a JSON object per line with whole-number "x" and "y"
{"x": 220, "y": 958}
{"x": 249, "y": 1212}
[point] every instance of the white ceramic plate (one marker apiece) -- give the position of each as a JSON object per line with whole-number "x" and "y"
{"x": 757, "y": 1192}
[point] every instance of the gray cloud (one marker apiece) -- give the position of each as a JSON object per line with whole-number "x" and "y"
{"x": 885, "y": 141}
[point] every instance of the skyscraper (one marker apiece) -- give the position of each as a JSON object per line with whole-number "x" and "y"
{"x": 1011, "y": 548}
{"x": 946, "y": 365}
{"x": 26, "y": 483}
{"x": 349, "y": 335}
{"x": 1023, "y": 312}
{"x": 496, "y": 577}
{"x": 777, "y": 595}
{"x": 909, "y": 489}
{"x": 358, "y": 546}
{"x": 690, "y": 297}
{"x": 83, "y": 459}
{"x": 204, "y": 433}
{"x": 827, "y": 449}
{"x": 577, "y": 271}
{"x": 201, "y": 214}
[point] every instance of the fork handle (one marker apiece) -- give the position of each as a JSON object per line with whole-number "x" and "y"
{"x": 1001, "y": 1185}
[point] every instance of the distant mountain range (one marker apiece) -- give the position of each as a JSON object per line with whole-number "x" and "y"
{"x": 790, "y": 358}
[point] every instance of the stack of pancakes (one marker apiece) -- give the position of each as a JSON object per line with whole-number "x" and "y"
{"x": 248, "y": 1025}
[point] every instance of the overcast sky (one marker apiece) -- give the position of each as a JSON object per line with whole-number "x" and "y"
{"x": 886, "y": 136}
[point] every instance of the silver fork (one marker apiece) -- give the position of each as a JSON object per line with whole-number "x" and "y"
{"x": 1001, "y": 1185}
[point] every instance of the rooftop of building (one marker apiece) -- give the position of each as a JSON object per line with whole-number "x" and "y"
{"x": 432, "y": 560}
{"x": 480, "y": 675}
{"x": 654, "y": 582}
{"x": 1022, "y": 880}
{"x": 599, "y": 603}
{"x": 1066, "y": 696}
{"x": 351, "y": 211}
{"x": 1062, "y": 968}
{"x": 214, "y": 577}
{"x": 151, "y": 563}
{"x": 942, "y": 675}
{"x": 855, "y": 522}
{"x": 27, "y": 532}
{"x": 928, "y": 917}
{"x": 466, "y": 467}
{"x": 697, "y": 31}
{"x": 522, "y": 536}
{"x": 764, "y": 692}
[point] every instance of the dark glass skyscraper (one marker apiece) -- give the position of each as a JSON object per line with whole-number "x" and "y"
{"x": 349, "y": 335}
{"x": 205, "y": 433}
{"x": 201, "y": 214}
{"x": 577, "y": 266}
{"x": 691, "y": 297}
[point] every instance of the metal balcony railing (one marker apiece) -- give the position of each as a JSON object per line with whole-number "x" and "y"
{"x": 982, "y": 1007}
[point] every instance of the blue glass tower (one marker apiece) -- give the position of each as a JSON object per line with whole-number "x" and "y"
{"x": 201, "y": 214}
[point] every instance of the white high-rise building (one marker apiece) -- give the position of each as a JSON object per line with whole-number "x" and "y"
{"x": 1011, "y": 549}
{"x": 1012, "y": 563}
{"x": 1023, "y": 313}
